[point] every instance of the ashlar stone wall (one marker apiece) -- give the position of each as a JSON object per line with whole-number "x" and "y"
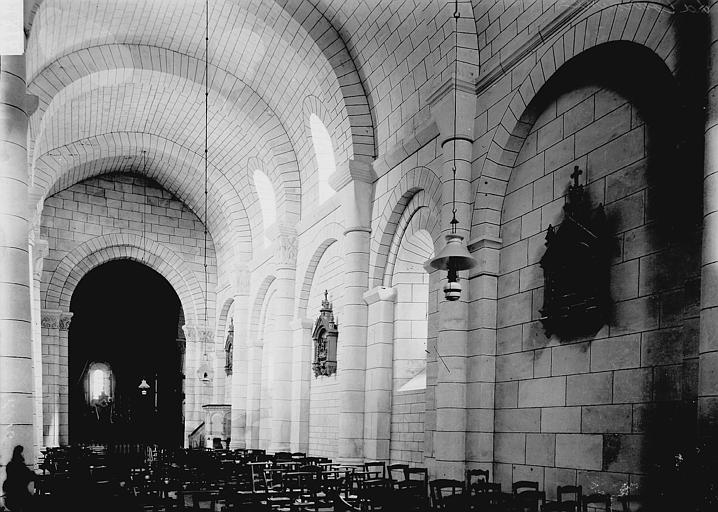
{"x": 590, "y": 411}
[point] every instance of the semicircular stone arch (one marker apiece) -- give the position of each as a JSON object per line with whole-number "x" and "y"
{"x": 330, "y": 234}
{"x": 251, "y": 130}
{"x": 334, "y": 49}
{"x": 655, "y": 32}
{"x": 418, "y": 180}
{"x": 103, "y": 249}
{"x": 258, "y": 307}
{"x": 415, "y": 217}
{"x": 174, "y": 168}
{"x": 222, "y": 319}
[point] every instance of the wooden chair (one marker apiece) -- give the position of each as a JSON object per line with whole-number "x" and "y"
{"x": 597, "y": 501}
{"x": 397, "y": 474}
{"x": 529, "y": 501}
{"x": 418, "y": 478}
{"x": 447, "y": 494}
{"x": 474, "y": 476}
{"x": 414, "y": 491}
{"x": 377, "y": 467}
{"x": 571, "y": 494}
{"x": 487, "y": 497}
{"x": 300, "y": 486}
{"x": 374, "y": 494}
{"x": 272, "y": 479}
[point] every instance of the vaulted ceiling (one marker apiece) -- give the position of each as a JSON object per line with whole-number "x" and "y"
{"x": 121, "y": 88}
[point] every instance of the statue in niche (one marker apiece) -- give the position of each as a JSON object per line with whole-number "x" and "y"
{"x": 325, "y": 336}
{"x": 229, "y": 348}
{"x": 576, "y": 268}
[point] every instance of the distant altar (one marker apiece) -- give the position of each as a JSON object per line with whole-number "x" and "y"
{"x": 217, "y": 425}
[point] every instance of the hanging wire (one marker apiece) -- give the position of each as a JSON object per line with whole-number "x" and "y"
{"x": 206, "y": 165}
{"x": 144, "y": 204}
{"x": 457, "y": 15}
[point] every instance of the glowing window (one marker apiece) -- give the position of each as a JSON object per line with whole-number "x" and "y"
{"x": 267, "y": 201}
{"x": 324, "y": 151}
{"x": 99, "y": 381}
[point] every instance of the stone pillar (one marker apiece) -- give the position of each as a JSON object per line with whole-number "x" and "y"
{"x": 63, "y": 384}
{"x": 50, "y": 326}
{"x": 198, "y": 391}
{"x": 239, "y": 359}
{"x": 379, "y": 374}
{"x": 301, "y": 383}
{"x": 254, "y": 379}
{"x": 449, "y": 443}
{"x": 432, "y": 365}
{"x": 16, "y": 382}
{"x": 354, "y": 183}
{"x": 281, "y": 341}
{"x": 55, "y": 325}
{"x": 481, "y": 352}
{"x": 38, "y": 251}
{"x": 708, "y": 347}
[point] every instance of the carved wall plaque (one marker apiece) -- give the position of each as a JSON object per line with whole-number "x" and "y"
{"x": 325, "y": 337}
{"x": 576, "y": 268}
{"x": 229, "y": 348}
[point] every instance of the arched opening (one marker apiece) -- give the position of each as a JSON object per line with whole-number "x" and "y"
{"x": 323, "y": 398}
{"x": 411, "y": 282}
{"x": 124, "y": 333}
{"x": 324, "y": 152}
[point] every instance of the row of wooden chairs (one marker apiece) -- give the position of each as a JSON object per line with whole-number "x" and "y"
{"x": 477, "y": 493}
{"x": 239, "y": 479}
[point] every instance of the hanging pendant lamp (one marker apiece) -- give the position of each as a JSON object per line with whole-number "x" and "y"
{"x": 204, "y": 371}
{"x": 143, "y": 387}
{"x": 454, "y": 256}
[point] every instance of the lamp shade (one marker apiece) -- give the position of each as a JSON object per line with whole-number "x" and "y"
{"x": 144, "y": 386}
{"x": 204, "y": 372}
{"x": 454, "y": 255}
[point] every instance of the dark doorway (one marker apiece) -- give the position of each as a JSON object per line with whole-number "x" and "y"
{"x": 125, "y": 324}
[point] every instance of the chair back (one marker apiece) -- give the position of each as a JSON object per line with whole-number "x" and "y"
{"x": 476, "y": 475}
{"x": 282, "y": 457}
{"x": 571, "y": 494}
{"x": 481, "y": 487}
{"x": 376, "y": 466}
{"x": 523, "y": 486}
{"x": 418, "y": 476}
{"x": 444, "y": 493}
{"x": 529, "y": 501}
{"x": 397, "y": 474}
